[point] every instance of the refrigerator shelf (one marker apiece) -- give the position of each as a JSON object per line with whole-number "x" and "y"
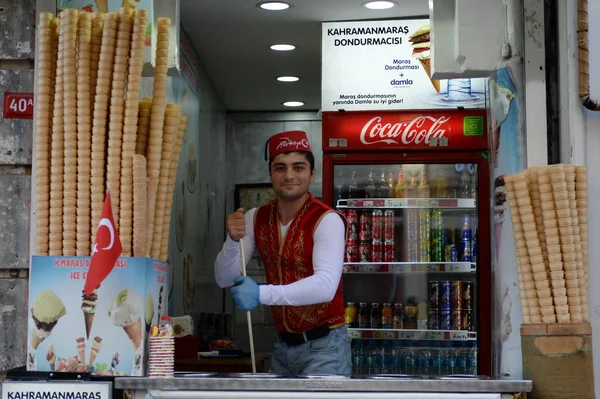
{"x": 396, "y": 203}
{"x": 409, "y": 267}
{"x": 415, "y": 335}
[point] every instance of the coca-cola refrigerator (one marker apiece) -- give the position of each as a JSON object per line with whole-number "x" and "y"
{"x": 415, "y": 189}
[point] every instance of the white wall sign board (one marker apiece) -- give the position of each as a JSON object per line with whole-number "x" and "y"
{"x": 56, "y": 390}
{"x": 384, "y": 65}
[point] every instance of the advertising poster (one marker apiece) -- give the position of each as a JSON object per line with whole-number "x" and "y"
{"x": 508, "y": 148}
{"x": 386, "y": 65}
{"x": 104, "y": 333}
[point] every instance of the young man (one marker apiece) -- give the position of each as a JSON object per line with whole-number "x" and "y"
{"x": 301, "y": 242}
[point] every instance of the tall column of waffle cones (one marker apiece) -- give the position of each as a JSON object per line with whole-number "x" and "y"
{"x": 157, "y": 119}
{"x": 171, "y": 128}
{"x": 136, "y": 61}
{"x": 45, "y": 71}
{"x": 581, "y": 200}
{"x": 174, "y": 164}
{"x": 117, "y": 102}
{"x": 100, "y": 116}
{"x": 561, "y": 260}
{"x": 57, "y": 153}
{"x": 90, "y": 124}
{"x": 84, "y": 133}
{"x": 70, "y": 21}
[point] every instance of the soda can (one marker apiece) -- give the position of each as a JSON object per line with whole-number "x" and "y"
{"x": 389, "y": 225}
{"x": 456, "y": 320}
{"x": 352, "y": 219}
{"x": 437, "y": 250}
{"x": 467, "y": 320}
{"x": 467, "y": 233}
{"x": 424, "y": 224}
{"x": 467, "y": 295}
{"x": 445, "y": 320}
{"x": 445, "y": 296}
{"x": 434, "y": 319}
{"x": 365, "y": 251}
{"x": 453, "y": 254}
{"x": 424, "y": 251}
{"x": 437, "y": 224}
{"x": 377, "y": 225}
{"x": 434, "y": 295}
{"x": 377, "y": 251}
{"x": 352, "y": 251}
{"x": 365, "y": 227}
{"x": 389, "y": 251}
{"x": 456, "y": 295}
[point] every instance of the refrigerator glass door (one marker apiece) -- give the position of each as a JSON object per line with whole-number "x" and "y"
{"x": 410, "y": 271}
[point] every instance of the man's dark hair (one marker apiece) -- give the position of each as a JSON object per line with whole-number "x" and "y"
{"x": 308, "y": 155}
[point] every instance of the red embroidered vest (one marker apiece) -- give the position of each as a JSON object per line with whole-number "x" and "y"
{"x": 290, "y": 261}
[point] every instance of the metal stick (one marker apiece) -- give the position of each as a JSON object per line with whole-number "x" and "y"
{"x": 248, "y": 315}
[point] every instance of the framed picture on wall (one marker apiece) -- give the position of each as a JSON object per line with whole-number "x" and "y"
{"x": 250, "y": 196}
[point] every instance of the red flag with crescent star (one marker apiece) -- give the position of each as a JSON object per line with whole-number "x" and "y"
{"x": 107, "y": 249}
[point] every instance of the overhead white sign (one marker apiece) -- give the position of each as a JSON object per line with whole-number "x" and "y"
{"x": 56, "y": 390}
{"x": 385, "y": 65}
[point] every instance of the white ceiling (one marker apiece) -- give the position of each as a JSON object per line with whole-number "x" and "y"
{"x": 232, "y": 38}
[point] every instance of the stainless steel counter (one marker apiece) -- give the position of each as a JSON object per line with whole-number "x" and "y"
{"x": 327, "y": 384}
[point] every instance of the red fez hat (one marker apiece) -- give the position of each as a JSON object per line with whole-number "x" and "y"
{"x": 294, "y": 140}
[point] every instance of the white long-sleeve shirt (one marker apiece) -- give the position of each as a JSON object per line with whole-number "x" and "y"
{"x": 328, "y": 258}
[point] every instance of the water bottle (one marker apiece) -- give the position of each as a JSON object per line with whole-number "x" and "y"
{"x": 410, "y": 360}
{"x": 425, "y": 361}
{"x": 472, "y": 362}
{"x": 437, "y": 361}
{"x": 397, "y": 358}
{"x": 357, "y": 357}
{"x": 450, "y": 361}
{"x": 461, "y": 361}
{"x": 387, "y": 367}
{"x": 369, "y": 360}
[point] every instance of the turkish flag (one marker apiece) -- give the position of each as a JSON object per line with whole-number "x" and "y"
{"x": 107, "y": 249}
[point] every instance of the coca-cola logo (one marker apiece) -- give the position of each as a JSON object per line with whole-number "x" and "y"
{"x": 286, "y": 142}
{"x": 420, "y": 130}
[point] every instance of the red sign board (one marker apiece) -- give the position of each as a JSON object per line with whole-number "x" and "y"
{"x": 440, "y": 130}
{"x": 18, "y": 105}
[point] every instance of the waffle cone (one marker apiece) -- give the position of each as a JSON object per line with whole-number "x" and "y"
{"x": 134, "y": 332}
{"x": 426, "y": 64}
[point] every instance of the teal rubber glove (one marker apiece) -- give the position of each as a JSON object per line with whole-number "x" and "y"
{"x": 246, "y": 293}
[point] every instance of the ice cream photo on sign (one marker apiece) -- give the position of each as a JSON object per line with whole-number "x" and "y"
{"x": 125, "y": 312}
{"x": 46, "y": 311}
{"x": 88, "y": 307}
{"x": 421, "y": 44}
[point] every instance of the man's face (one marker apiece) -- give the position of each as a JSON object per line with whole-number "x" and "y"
{"x": 291, "y": 175}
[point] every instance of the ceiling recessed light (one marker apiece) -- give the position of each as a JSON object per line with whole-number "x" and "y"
{"x": 379, "y": 5}
{"x": 293, "y": 103}
{"x": 288, "y": 78}
{"x": 283, "y": 47}
{"x": 274, "y": 5}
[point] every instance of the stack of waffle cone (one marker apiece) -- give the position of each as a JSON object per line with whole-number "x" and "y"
{"x": 538, "y": 213}
{"x": 529, "y": 303}
{"x": 57, "y": 154}
{"x": 136, "y": 60}
{"x": 174, "y": 165}
{"x": 45, "y": 71}
{"x": 155, "y": 138}
{"x": 70, "y": 21}
{"x": 117, "y": 107}
{"x": 100, "y": 116}
{"x": 84, "y": 134}
{"x": 170, "y": 131}
{"x": 581, "y": 198}
{"x": 96, "y": 42}
{"x": 141, "y": 144}
{"x": 140, "y": 210}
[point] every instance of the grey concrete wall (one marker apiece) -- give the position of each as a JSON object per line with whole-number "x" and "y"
{"x": 17, "y": 38}
{"x": 247, "y": 134}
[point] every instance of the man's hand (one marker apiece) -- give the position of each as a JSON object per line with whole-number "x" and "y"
{"x": 245, "y": 293}
{"x": 236, "y": 225}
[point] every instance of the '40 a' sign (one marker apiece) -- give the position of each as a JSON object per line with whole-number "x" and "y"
{"x": 18, "y": 106}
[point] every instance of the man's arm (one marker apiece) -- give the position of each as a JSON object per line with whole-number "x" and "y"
{"x": 228, "y": 263}
{"x": 328, "y": 259}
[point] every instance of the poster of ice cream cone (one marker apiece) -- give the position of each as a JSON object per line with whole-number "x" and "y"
{"x": 386, "y": 65}
{"x": 103, "y": 333}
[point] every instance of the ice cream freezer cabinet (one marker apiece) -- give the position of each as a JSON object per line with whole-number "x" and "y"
{"x": 317, "y": 387}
